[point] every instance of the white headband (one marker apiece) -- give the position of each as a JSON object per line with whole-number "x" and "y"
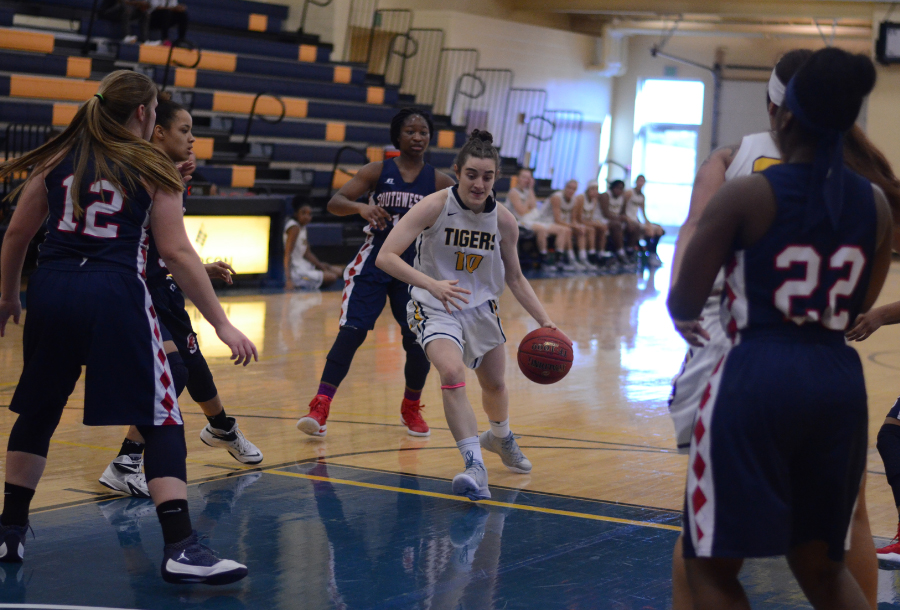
{"x": 776, "y": 89}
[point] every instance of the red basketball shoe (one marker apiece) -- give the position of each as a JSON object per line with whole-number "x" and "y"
{"x": 892, "y": 551}
{"x": 411, "y": 417}
{"x": 313, "y": 423}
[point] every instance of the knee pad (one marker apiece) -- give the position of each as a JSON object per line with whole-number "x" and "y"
{"x": 888, "y": 445}
{"x": 200, "y": 384}
{"x": 165, "y": 452}
{"x": 179, "y": 371}
{"x": 32, "y": 432}
{"x": 345, "y": 345}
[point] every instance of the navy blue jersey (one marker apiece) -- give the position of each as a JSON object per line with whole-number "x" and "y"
{"x": 791, "y": 276}
{"x": 156, "y": 268}
{"x": 398, "y": 197}
{"x": 112, "y": 231}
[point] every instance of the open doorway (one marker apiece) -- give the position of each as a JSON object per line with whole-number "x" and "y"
{"x": 667, "y": 119}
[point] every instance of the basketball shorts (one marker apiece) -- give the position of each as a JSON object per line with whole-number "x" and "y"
{"x": 168, "y": 301}
{"x": 690, "y": 383}
{"x": 778, "y": 449}
{"x": 476, "y": 330}
{"x": 101, "y": 319}
{"x": 306, "y": 277}
{"x": 367, "y": 288}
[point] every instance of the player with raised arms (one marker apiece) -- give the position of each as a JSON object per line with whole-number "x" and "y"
{"x": 88, "y": 305}
{"x": 396, "y": 185}
{"x": 778, "y": 449}
{"x": 172, "y": 134}
{"x": 465, "y": 249}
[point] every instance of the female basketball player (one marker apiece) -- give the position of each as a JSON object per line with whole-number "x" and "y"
{"x": 523, "y": 204}
{"x": 465, "y": 247}
{"x": 635, "y": 207}
{"x": 779, "y": 445}
{"x": 88, "y": 304}
{"x": 563, "y": 205}
{"x": 396, "y": 185}
{"x": 755, "y": 153}
{"x": 172, "y": 134}
{"x": 612, "y": 204}
{"x": 587, "y": 212}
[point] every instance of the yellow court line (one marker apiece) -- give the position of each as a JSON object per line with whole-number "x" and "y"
{"x": 432, "y": 494}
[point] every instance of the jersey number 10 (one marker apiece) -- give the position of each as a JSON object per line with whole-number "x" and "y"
{"x": 831, "y": 317}
{"x": 468, "y": 262}
{"x": 69, "y": 224}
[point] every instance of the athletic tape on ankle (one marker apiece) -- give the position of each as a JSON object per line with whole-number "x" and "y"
{"x": 454, "y": 387}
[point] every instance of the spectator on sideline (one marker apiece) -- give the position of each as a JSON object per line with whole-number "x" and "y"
{"x": 302, "y": 270}
{"x": 522, "y": 202}
{"x": 634, "y": 203}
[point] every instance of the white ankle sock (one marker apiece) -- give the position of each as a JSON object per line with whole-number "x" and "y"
{"x": 543, "y": 253}
{"x": 500, "y": 429}
{"x": 470, "y": 444}
{"x": 591, "y": 252}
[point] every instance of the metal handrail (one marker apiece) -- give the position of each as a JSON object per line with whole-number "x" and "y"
{"x": 182, "y": 44}
{"x": 457, "y": 92}
{"x": 536, "y": 136}
{"x": 375, "y": 22}
{"x": 86, "y": 47}
{"x": 337, "y": 160}
{"x": 320, "y": 3}
{"x": 252, "y": 115}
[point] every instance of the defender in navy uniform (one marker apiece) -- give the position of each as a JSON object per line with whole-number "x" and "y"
{"x": 395, "y": 185}
{"x": 88, "y": 305}
{"x": 779, "y": 441}
{"x": 172, "y": 134}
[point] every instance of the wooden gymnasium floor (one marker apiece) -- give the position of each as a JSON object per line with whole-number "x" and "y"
{"x": 362, "y": 518}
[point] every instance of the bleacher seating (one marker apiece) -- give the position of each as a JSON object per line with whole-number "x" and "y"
{"x": 236, "y": 51}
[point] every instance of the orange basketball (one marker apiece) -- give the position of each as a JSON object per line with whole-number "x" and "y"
{"x": 545, "y": 355}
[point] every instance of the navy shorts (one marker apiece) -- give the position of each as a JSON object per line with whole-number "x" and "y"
{"x": 101, "y": 319}
{"x": 366, "y": 288}
{"x": 778, "y": 448}
{"x": 168, "y": 300}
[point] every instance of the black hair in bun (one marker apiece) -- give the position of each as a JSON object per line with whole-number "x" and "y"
{"x": 479, "y": 145}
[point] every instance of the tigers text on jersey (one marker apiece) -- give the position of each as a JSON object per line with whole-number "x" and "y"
{"x": 112, "y": 230}
{"x": 398, "y": 197}
{"x": 465, "y": 246}
{"x": 792, "y": 276}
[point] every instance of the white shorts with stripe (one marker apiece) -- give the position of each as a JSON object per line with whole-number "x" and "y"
{"x": 691, "y": 382}
{"x": 476, "y": 330}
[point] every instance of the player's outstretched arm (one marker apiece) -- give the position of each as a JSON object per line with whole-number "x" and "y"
{"x": 171, "y": 238}
{"x": 26, "y": 221}
{"x": 344, "y": 202}
{"x": 517, "y": 282}
{"x": 710, "y": 177}
{"x": 423, "y": 215}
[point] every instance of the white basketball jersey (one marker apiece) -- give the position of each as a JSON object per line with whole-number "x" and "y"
{"x": 757, "y": 152}
{"x": 616, "y": 203}
{"x": 300, "y": 246}
{"x": 565, "y": 207}
{"x": 465, "y": 246}
{"x": 631, "y": 208}
{"x": 589, "y": 208}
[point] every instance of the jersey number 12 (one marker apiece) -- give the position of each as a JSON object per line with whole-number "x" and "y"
{"x": 69, "y": 224}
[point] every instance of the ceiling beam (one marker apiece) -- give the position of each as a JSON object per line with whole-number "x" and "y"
{"x": 830, "y": 9}
{"x": 695, "y": 28}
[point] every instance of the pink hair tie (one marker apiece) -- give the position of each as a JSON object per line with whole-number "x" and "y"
{"x": 454, "y": 387}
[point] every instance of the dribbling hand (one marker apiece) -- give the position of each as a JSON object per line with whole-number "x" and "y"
{"x": 242, "y": 348}
{"x": 9, "y": 308}
{"x": 447, "y": 292}
{"x": 219, "y": 270}
{"x": 692, "y": 331}
{"x": 376, "y": 217}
